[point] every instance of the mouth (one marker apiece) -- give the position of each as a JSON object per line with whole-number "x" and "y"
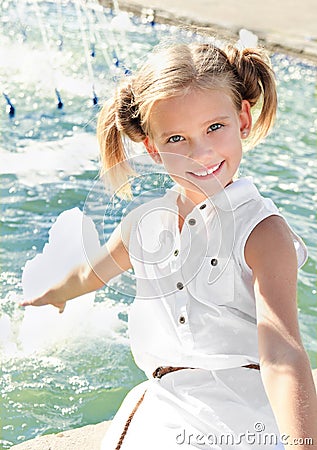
{"x": 207, "y": 173}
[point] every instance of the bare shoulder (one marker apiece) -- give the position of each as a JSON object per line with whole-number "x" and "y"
{"x": 271, "y": 244}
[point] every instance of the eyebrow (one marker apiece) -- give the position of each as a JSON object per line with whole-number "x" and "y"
{"x": 180, "y": 132}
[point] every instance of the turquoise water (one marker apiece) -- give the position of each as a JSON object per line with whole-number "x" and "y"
{"x": 49, "y": 163}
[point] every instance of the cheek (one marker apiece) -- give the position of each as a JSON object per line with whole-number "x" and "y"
{"x": 174, "y": 161}
{"x": 230, "y": 145}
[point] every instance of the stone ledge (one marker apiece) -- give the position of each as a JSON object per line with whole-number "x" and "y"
{"x": 84, "y": 438}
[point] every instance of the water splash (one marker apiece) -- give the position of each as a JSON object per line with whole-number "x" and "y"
{"x": 247, "y": 39}
{"x": 122, "y": 22}
{"x": 73, "y": 240}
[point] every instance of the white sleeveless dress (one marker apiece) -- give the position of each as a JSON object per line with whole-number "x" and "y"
{"x": 195, "y": 308}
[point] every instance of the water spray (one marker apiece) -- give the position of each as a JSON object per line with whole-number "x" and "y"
{"x": 44, "y": 32}
{"x": 119, "y": 64}
{"x": 92, "y": 50}
{"x": 86, "y": 50}
{"x": 10, "y": 108}
{"x": 95, "y": 98}
{"x": 60, "y": 41}
{"x": 60, "y": 104}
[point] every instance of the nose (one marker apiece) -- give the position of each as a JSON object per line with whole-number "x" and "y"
{"x": 201, "y": 150}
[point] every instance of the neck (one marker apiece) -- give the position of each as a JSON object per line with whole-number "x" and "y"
{"x": 191, "y": 198}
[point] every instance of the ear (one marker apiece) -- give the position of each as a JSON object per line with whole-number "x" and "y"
{"x": 245, "y": 119}
{"x": 152, "y": 150}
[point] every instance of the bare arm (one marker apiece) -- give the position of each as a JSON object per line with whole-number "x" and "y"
{"x": 285, "y": 367}
{"x": 112, "y": 260}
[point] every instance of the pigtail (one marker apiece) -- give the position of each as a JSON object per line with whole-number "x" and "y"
{"x": 118, "y": 117}
{"x": 257, "y": 84}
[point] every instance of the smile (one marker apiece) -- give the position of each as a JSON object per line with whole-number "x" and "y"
{"x": 205, "y": 172}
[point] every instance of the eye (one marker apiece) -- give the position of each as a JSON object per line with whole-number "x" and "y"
{"x": 176, "y": 138}
{"x": 215, "y": 127}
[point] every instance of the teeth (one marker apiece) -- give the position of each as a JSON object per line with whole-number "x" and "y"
{"x": 203, "y": 173}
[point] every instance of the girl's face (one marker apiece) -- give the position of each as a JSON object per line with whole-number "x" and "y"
{"x": 198, "y": 139}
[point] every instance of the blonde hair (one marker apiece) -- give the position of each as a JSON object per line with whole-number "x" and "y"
{"x": 243, "y": 74}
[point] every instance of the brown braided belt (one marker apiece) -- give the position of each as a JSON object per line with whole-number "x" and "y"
{"x": 159, "y": 373}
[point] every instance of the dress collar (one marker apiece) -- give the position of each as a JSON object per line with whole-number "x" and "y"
{"x": 228, "y": 199}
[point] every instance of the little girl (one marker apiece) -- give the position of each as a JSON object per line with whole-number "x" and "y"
{"x": 214, "y": 323}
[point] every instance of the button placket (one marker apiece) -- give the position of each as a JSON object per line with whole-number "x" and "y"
{"x": 176, "y": 254}
{"x": 198, "y": 216}
{"x": 181, "y": 301}
{"x": 181, "y": 295}
{"x": 179, "y": 285}
{"x": 183, "y": 328}
{"x": 182, "y": 317}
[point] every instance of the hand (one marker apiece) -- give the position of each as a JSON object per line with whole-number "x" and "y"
{"x": 46, "y": 299}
